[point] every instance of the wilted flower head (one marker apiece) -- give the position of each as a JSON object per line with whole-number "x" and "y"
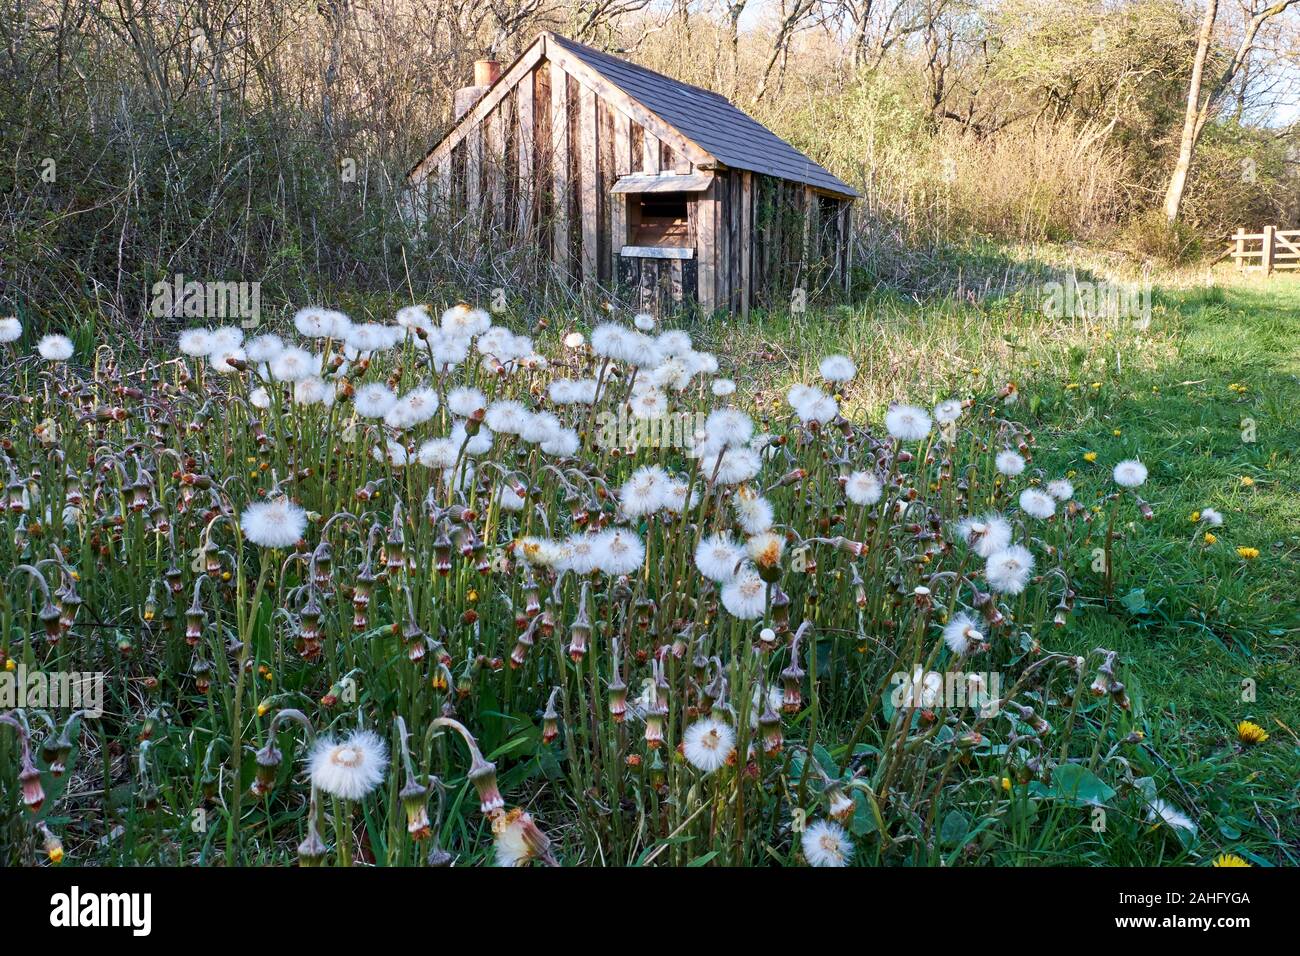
{"x": 351, "y": 768}
{"x": 518, "y": 839}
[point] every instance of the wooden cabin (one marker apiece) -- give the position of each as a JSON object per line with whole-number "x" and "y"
{"x": 662, "y": 192}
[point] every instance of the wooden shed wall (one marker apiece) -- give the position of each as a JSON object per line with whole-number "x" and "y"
{"x": 539, "y": 162}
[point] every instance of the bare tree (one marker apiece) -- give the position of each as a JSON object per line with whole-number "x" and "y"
{"x": 1199, "y": 109}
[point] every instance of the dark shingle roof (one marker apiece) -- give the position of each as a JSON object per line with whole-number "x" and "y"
{"x": 709, "y": 120}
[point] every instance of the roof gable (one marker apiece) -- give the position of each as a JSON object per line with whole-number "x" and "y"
{"x": 704, "y": 122}
{"x": 708, "y": 119}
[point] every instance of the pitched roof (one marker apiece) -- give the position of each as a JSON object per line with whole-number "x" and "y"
{"x": 709, "y": 120}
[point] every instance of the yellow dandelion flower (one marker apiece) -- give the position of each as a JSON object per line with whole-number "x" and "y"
{"x": 1210, "y": 537}
{"x": 1250, "y": 733}
{"x": 10, "y": 665}
{"x": 1229, "y": 859}
{"x": 1117, "y": 432}
{"x": 1247, "y": 481}
{"x": 1072, "y": 386}
{"x": 1194, "y": 517}
{"x": 56, "y": 855}
{"x": 1249, "y": 554}
{"x": 1006, "y": 783}
{"x": 1089, "y": 456}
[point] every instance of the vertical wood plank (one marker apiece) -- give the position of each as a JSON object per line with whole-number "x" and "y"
{"x": 746, "y": 239}
{"x": 588, "y": 183}
{"x": 722, "y": 223}
{"x": 494, "y": 162}
{"x": 559, "y": 166}
{"x": 527, "y": 159}
{"x": 622, "y": 166}
{"x": 846, "y": 262}
{"x": 1266, "y": 262}
{"x": 650, "y": 152}
{"x": 442, "y": 201}
{"x": 474, "y": 175}
{"x": 706, "y": 246}
{"x": 605, "y": 200}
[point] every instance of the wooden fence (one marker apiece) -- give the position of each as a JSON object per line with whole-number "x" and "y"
{"x": 1273, "y": 250}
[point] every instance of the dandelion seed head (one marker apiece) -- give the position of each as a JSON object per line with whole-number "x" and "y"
{"x": 708, "y": 744}
{"x": 837, "y": 368}
{"x": 278, "y": 523}
{"x": 351, "y": 768}
{"x": 826, "y": 843}
{"x": 908, "y": 422}
{"x": 1130, "y": 473}
{"x": 55, "y": 348}
{"x": 1009, "y": 463}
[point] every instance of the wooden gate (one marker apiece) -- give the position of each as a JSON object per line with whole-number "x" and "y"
{"x": 1273, "y": 250}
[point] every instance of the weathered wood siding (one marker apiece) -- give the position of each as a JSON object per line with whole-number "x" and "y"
{"x": 543, "y": 148}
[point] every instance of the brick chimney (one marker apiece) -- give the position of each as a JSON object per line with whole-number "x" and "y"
{"x": 486, "y": 72}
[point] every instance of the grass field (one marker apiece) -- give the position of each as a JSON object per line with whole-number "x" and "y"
{"x": 411, "y": 591}
{"x": 1209, "y": 397}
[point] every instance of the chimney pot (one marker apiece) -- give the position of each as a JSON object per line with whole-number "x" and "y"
{"x": 486, "y": 72}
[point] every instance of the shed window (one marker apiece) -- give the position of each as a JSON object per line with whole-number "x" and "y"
{"x": 659, "y": 219}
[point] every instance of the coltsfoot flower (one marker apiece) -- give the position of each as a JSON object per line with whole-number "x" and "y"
{"x": 350, "y": 768}
{"x": 826, "y": 843}
{"x": 708, "y": 744}
{"x": 273, "y": 524}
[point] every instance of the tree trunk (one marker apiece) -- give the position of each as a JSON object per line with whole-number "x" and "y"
{"x": 1191, "y": 127}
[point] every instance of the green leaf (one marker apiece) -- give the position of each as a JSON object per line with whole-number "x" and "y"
{"x": 954, "y": 827}
{"x": 1079, "y": 786}
{"x": 1135, "y": 601}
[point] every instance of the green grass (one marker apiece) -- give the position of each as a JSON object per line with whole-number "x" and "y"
{"x": 1197, "y": 625}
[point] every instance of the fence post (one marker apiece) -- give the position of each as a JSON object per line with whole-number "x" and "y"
{"x": 1267, "y": 256}
{"x": 1240, "y": 250}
